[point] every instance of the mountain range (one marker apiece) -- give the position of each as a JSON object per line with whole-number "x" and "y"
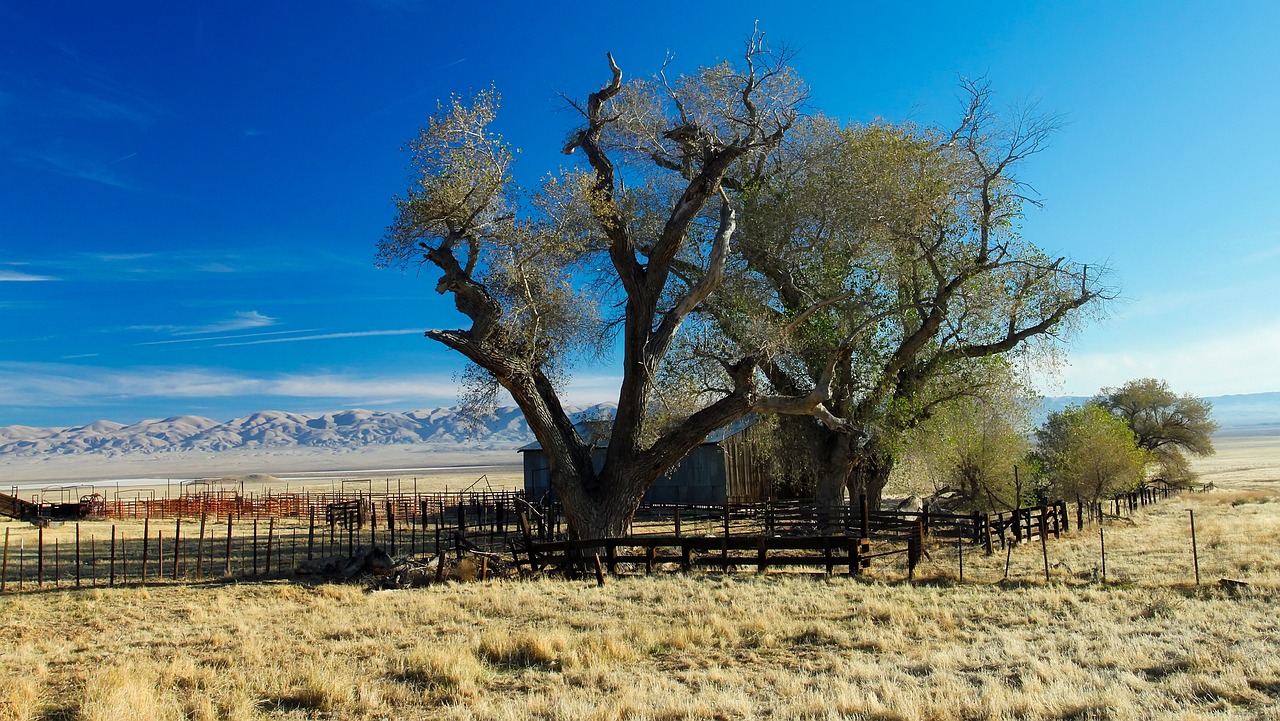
{"x": 439, "y": 428}
{"x": 442, "y": 428}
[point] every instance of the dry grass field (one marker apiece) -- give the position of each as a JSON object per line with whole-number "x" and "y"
{"x": 1146, "y": 644}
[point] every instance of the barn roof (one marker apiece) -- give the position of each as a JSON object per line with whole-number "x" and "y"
{"x": 719, "y": 435}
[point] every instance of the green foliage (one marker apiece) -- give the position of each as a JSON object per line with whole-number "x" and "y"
{"x": 1166, "y": 424}
{"x": 1086, "y": 452}
{"x": 971, "y": 443}
{"x": 900, "y": 245}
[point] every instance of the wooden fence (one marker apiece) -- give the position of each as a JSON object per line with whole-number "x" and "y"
{"x": 206, "y": 536}
{"x": 725, "y": 553}
{"x": 685, "y": 537}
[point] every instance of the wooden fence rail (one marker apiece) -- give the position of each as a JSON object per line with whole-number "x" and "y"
{"x": 728, "y": 553}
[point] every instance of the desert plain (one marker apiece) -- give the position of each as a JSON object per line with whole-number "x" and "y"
{"x": 1146, "y": 643}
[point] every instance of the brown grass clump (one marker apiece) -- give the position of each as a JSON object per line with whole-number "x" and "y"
{"x": 443, "y": 674}
{"x": 19, "y": 699}
{"x": 129, "y": 691}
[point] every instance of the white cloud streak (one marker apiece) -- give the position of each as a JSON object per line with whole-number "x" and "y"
{"x": 65, "y": 385}
{"x": 226, "y": 337}
{"x": 326, "y": 336}
{"x": 13, "y": 276}
{"x": 241, "y": 320}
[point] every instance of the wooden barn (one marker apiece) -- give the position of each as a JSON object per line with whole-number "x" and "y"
{"x": 726, "y": 466}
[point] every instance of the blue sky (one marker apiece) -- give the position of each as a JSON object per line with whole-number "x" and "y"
{"x": 190, "y": 193}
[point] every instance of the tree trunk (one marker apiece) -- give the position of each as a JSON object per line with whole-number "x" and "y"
{"x": 870, "y": 473}
{"x": 834, "y": 463}
{"x": 596, "y": 515}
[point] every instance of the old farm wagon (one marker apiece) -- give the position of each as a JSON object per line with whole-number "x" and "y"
{"x": 728, "y": 466}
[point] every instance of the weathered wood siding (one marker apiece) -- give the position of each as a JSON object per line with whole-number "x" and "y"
{"x": 711, "y": 474}
{"x": 745, "y": 472}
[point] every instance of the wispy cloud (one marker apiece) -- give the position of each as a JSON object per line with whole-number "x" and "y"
{"x": 109, "y": 104}
{"x": 81, "y": 168}
{"x": 120, "y": 257}
{"x": 13, "y": 276}
{"x": 1240, "y": 362}
{"x": 327, "y": 336}
{"x": 67, "y": 385}
{"x": 205, "y": 339}
{"x": 240, "y": 320}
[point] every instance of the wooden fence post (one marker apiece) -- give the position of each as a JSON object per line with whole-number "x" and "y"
{"x": 311, "y": 535}
{"x": 39, "y": 556}
{"x": 1195, "y": 553}
{"x": 866, "y": 516}
{"x": 524, "y": 531}
{"x": 986, "y": 535}
{"x": 271, "y": 528}
{"x": 391, "y": 527}
{"x": 462, "y": 528}
{"x": 1102, "y": 542}
{"x": 77, "y": 555}
{"x": 4, "y": 565}
{"x": 913, "y": 551}
{"x": 112, "y": 579}
{"x": 1044, "y": 543}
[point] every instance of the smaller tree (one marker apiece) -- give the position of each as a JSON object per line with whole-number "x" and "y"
{"x": 970, "y": 444}
{"x": 1164, "y": 423}
{"x": 1086, "y": 452}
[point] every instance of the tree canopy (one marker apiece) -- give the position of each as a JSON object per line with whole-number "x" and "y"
{"x": 970, "y": 445}
{"x": 1164, "y": 423}
{"x": 1086, "y": 452}
{"x": 746, "y": 258}
{"x": 629, "y": 247}
{"x": 911, "y": 234}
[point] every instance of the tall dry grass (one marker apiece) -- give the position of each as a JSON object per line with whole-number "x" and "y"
{"x": 1147, "y": 644}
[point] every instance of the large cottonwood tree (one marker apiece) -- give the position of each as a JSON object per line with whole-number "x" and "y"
{"x": 633, "y": 242}
{"x": 916, "y": 229}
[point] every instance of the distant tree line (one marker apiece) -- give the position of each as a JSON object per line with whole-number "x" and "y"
{"x": 984, "y": 450}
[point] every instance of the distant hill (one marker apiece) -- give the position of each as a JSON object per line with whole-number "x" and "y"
{"x": 438, "y": 429}
{"x": 1235, "y": 414}
{"x": 442, "y": 428}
